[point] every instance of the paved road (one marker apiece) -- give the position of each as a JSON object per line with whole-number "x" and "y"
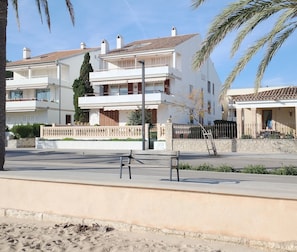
{"x": 89, "y": 166}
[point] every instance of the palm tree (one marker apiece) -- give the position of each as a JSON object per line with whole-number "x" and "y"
{"x": 42, "y": 5}
{"x": 245, "y": 16}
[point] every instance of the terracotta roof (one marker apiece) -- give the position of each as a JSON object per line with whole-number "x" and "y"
{"x": 152, "y": 44}
{"x": 50, "y": 57}
{"x": 287, "y": 93}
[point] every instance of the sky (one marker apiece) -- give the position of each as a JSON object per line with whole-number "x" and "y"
{"x": 136, "y": 20}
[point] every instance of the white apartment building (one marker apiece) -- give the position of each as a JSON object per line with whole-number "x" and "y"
{"x": 169, "y": 82}
{"x": 40, "y": 90}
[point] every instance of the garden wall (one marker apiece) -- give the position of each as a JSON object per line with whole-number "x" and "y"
{"x": 237, "y": 145}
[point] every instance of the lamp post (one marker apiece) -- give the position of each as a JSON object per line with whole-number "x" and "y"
{"x": 143, "y": 105}
{"x": 60, "y": 91}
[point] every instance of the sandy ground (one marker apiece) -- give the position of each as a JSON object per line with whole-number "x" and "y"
{"x": 28, "y": 235}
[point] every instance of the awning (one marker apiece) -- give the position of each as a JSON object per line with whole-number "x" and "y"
{"x": 147, "y": 80}
{"x": 110, "y": 82}
{"x": 136, "y": 80}
{"x": 129, "y": 107}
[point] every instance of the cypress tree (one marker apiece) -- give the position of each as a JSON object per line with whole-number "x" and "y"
{"x": 82, "y": 86}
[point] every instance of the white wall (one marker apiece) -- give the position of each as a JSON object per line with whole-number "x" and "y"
{"x": 198, "y": 79}
{"x": 26, "y": 118}
{"x": 94, "y": 117}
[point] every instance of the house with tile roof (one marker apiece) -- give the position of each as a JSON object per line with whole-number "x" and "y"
{"x": 40, "y": 90}
{"x": 271, "y": 112}
{"x": 169, "y": 81}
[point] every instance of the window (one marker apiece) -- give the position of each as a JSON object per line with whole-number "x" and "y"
{"x": 154, "y": 88}
{"x": 209, "y": 107}
{"x": 191, "y": 89}
{"x": 16, "y": 94}
{"x": 43, "y": 95}
{"x": 68, "y": 119}
{"x": 114, "y": 90}
{"x": 208, "y": 87}
{"x": 123, "y": 89}
{"x": 213, "y": 88}
{"x": 118, "y": 89}
{"x": 202, "y": 98}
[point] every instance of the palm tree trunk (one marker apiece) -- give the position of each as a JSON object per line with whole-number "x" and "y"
{"x": 3, "y": 24}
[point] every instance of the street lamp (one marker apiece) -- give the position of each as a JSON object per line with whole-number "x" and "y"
{"x": 60, "y": 91}
{"x": 143, "y": 105}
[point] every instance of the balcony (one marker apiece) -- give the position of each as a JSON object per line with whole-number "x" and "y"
{"x": 133, "y": 75}
{"x": 27, "y": 105}
{"x": 124, "y": 102}
{"x": 31, "y": 83}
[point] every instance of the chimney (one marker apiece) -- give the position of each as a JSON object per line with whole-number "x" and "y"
{"x": 104, "y": 47}
{"x": 173, "y": 32}
{"x": 82, "y": 45}
{"x": 120, "y": 42}
{"x": 26, "y": 53}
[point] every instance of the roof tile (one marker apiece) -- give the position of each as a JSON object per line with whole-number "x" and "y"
{"x": 50, "y": 57}
{"x": 287, "y": 93}
{"x": 152, "y": 44}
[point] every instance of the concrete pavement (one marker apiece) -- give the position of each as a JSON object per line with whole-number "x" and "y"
{"x": 89, "y": 166}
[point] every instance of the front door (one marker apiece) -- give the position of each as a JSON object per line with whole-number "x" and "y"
{"x": 267, "y": 119}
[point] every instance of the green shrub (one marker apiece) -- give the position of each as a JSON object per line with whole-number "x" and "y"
{"x": 205, "y": 167}
{"x": 246, "y": 137}
{"x": 225, "y": 168}
{"x": 36, "y": 129}
{"x": 185, "y": 166}
{"x": 202, "y": 167}
{"x": 26, "y": 131}
{"x": 22, "y": 131}
{"x": 257, "y": 169}
{"x": 286, "y": 170}
{"x": 289, "y": 136}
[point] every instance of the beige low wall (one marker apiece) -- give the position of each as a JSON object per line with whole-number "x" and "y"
{"x": 260, "y": 220}
{"x": 21, "y": 143}
{"x": 238, "y": 145}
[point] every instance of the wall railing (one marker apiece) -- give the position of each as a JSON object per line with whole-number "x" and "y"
{"x": 92, "y": 132}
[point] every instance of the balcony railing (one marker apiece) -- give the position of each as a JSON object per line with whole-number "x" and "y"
{"x": 31, "y": 83}
{"x": 29, "y": 104}
{"x": 132, "y": 74}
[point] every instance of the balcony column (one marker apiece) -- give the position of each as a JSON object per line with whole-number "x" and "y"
{"x": 174, "y": 59}
{"x": 295, "y": 114}
{"x": 239, "y": 118}
{"x": 29, "y": 73}
{"x": 254, "y": 122}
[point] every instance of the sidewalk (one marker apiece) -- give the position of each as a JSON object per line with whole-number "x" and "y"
{"x": 103, "y": 167}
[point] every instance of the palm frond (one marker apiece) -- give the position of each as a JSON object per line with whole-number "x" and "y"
{"x": 230, "y": 19}
{"x": 252, "y": 50}
{"x": 240, "y": 66}
{"x": 271, "y": 51}
{"x": 197, "y": 3}
{"x": 44, "y": 4}
{"x": 16, "y": 9}
{"x": 71, "y": 11}
{"x": 251, "y": 24}
{"x": 245, "y": 16}
{"x": 39, "y": 10}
